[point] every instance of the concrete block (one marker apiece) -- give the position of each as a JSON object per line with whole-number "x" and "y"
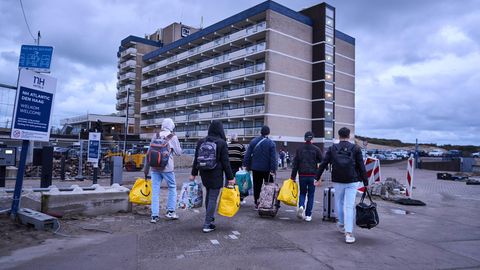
{"x": 102, "y": 200}
{"x": 29, "y": 199}
{"x": 11, "y": 172}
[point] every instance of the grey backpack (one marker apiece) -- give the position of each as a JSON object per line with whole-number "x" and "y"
{"x": 207, "y": 155}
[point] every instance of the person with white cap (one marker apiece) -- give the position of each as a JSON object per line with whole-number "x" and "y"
{"x": 166, "y": 173}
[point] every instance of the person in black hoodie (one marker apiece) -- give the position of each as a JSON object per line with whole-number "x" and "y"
{"x": 213, "y": 179}
{"x": 348, "y": 171}
{"x": 305, "y": 163}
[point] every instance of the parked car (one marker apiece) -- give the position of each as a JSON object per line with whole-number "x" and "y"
{"x": 476, "y": 155}
{"x": 454, "y": 153}
{"x": 401, "y": 153}
{"x": 379, "y": 156}
{"x": 390, "y": 156}
{"x": 436, "y": 153}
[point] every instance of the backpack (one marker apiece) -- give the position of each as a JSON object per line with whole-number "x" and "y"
{"x": 207, "y": 155}
{"x": 159, "y": 152}
{"x": 343, "y": 163}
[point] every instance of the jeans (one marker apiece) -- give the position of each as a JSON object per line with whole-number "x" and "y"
{"x": 307, "y": 188}
{"x": 157, "y": 178}
{"x": 345, "y": 204}
{"x": 258, "y": 179}
{"x": 210, "y": 205}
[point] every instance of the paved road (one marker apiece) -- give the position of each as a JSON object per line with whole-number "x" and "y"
{"x": 443, "y": 235}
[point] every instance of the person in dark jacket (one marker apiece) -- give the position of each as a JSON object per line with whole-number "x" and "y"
{"x": 305, "y": 163}
{"x": 213, "y": 179}
{"x": 345, "y": 182}
{"x": 236, "y": 152}
{"x": 262, "y": 160}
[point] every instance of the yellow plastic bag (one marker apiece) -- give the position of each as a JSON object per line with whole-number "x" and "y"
{"x": 229, "y": 201}
{"x": 289, "y": 193}
{"x": 141, "y": 192}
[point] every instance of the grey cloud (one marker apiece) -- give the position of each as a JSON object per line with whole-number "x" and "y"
{"x": 402, "y": 80}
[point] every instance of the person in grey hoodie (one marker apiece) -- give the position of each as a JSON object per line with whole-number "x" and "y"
{"x": 166, "y": 173}
{"x": 213, "y": 179}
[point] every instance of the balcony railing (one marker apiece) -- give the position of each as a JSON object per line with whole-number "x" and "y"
{"x": 207, "y": 46}
{"x": 248, "y": 132}
{"x": 216, "y": 78}
{"x": 127, "y": 76}
{"x": 210, "y": 97}
{"x": 239, "y": 112}
{"x": 128, "y": 64}
{"x": 207, "y": 63}
{"x": 128, "y": 51}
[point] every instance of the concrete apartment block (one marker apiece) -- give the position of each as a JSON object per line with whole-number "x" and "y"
{"x": 267, "y": 65}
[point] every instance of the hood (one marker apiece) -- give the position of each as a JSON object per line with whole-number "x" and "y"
{"x": 167, "y": 124}
{"x": 216, "y": 130}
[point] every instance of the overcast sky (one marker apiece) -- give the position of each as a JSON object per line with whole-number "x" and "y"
{"x": 417, "y": 62}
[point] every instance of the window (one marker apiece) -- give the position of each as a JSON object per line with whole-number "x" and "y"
{"x": 329, "y": 86}
{"x": 328, "y": 68}
{"x": 328, "y": 106}
{"x": 328, "y": 134}
{"x": 329, "y": 31}
{"x": 329, "y": 39}
{"x": 328, "y": 96}
{"x": 328, "y": 116}
{"x": 329, "y": 58}
{"x": 330, "y": 12}
{"x": 328, "y": 49}
{"x": 329, "y": 21}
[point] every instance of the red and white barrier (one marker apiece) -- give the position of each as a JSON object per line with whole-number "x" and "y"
{"x": 372, "y": 165}
{"x": 410, "y": 174}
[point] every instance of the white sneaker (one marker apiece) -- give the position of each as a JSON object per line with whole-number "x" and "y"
{"x": 243, "y": 202}
{"x": 154, "y": 219}
{"x": 349, "y": 239}
{"x": 301, "y": 213}
{"x": 340, "y": 228}
{"x": 171, "y": 216}
{"x": 308, "y": 218}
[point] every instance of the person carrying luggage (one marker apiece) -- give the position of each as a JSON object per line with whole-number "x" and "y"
{"x": 261, "y": 159}
{"x": 236, "y": 152}
{"x": 347, "y": 171}
{"x": 305, "y": 163}
{"x": 211, "y": 161}
{"x": 159, "y": 159}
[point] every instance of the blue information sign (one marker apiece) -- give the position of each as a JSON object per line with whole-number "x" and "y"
{"x": 33, "y": 106}
{"x": 37, "y": 58}
{"x": 93, "y": 147}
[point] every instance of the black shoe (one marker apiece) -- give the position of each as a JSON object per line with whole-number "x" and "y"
{"x": 208, "y": 229}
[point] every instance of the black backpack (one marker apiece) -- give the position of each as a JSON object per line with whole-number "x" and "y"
{"x": 207, "y": 155}
{"x": 308, "y": 161}
{"x": 343, "y": 163}
{"x": 159, "y": 152}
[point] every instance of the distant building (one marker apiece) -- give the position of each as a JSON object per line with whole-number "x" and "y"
{"x": 111, "y": 125}
{"x": 266, "y": 65}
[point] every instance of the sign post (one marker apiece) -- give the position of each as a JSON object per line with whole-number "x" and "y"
{"x": 94, "y": 152}
{"x": 31, "y": 119}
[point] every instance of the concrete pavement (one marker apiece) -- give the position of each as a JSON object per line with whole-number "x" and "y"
{"x": 445, "y": 234}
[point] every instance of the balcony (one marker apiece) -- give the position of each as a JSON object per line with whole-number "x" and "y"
{"x": 251, "y": 90}
{"x": 127, "y": 76}
{"x": 128, "y": 65}
{"x": 207, "y": 63}
{"x": 128, "y": 52}
{"x": 208, "y": 46}
{"x": 215, "y": 78}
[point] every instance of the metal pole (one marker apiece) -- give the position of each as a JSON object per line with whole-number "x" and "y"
{"x": 126, "y": 123}
{"x": 19, "y": 183}
{"x": 80, "y": 164}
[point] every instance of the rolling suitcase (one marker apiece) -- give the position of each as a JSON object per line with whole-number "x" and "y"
{"x": 329, "y": 212}
{"x": 267, "y": 202}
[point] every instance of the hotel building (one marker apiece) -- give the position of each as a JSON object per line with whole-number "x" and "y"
{"x": 267, "y": 65}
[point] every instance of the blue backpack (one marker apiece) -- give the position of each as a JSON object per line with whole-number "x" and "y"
{"x": 159, "y": 152}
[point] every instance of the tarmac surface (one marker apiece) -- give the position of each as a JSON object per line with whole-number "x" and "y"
{"x": 444, "y": 234}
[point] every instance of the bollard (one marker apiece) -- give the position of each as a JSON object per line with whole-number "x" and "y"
{"x": 95, "y": 174}
{"x": 3, "y": 174}
{"x": 47, "y": 167}
{"x": 117, "y": 170}
{"x": 62, "y": 168}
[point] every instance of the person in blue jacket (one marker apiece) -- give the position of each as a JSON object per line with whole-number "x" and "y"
{"x": 261, "y": 159}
